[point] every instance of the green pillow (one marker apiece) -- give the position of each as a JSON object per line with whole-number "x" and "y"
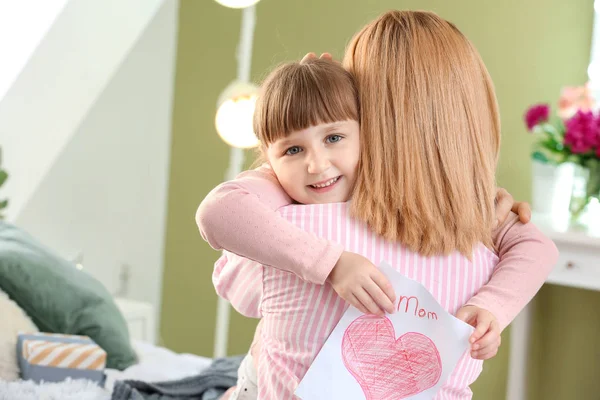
{"x": 59, "y": 298}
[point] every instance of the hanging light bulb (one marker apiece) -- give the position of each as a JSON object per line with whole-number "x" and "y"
{"x": 237, "y": 3}
{"x": 235, "y": 110}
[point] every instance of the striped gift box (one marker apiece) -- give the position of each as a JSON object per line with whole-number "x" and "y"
{"x": 54, "y": 357}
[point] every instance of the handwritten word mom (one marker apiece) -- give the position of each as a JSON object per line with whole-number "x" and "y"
{"x": 408, "y": 304}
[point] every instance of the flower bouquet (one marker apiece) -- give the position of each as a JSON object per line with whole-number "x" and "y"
{"x": 571, "y": 135}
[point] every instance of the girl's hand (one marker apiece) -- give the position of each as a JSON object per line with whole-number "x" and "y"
{"x": 486, "y": 339}
{"x": 356, "y": 280}
{"x": 505, "y": 204}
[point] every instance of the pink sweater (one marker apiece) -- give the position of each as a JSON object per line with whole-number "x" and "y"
{"x": 250, "y": 203}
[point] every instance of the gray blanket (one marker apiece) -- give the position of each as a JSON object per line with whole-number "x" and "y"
{"x": 210, "y": 384}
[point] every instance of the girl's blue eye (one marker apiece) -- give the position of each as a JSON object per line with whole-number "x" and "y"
{"x": 293, "y": 150}
{"x": 334, "y": 138}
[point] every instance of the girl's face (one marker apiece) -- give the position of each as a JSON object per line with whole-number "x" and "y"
{"x": 317, "y": 164}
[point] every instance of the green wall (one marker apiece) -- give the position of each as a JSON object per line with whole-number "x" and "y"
{"x": 531, "y": 48}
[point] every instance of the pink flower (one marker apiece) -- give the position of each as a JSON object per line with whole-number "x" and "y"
{"x": 574, "y": 98}
{"x": 582, "y": 132}
{"x": 536, "y": 115}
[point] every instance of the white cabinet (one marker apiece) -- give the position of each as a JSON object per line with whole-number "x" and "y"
{"x": 578, "y": 266}
{"x": 140, "y": 319}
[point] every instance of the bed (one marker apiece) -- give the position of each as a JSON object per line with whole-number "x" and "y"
{"x": 42, "y": 292}
{"x": 155, "y": 364}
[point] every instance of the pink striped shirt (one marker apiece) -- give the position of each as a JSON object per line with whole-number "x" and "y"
{"x": 298, "y": 316}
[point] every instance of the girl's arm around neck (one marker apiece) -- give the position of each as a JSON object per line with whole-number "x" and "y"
{"x": 241, "y": 216}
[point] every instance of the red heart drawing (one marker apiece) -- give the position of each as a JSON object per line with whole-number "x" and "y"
{"x": 385, "y": 367}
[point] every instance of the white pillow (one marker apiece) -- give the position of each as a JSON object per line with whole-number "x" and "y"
{"x": 14, "y": 320}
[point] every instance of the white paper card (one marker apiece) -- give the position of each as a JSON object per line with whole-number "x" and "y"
{"x": 405, "y": 355}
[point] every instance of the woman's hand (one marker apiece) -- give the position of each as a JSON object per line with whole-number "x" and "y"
{"x": 312, "y": 56}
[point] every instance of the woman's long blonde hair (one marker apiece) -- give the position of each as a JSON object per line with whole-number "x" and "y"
{"x": 430, "y": 134}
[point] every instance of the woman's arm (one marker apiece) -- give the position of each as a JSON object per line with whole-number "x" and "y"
{"x": 526, "y": 258}
{"x": 240, "y": 216}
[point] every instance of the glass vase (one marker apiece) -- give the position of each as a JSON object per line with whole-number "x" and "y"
{"x": 586, "y": 190}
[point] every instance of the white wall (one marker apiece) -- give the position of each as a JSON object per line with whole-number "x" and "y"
{"x": 62, "y": 79}
{"x": 105, "y": 195}
{"x": 20, "y": 33}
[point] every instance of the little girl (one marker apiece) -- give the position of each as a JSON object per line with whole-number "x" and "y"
{"x": 444, "y": 143}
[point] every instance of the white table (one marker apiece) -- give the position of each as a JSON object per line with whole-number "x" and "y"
{"x": 577, "y": 267}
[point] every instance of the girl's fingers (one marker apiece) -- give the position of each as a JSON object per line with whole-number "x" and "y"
{"x": 480, "y": 355}
{"x": 381, "y": 299}
{"x": 386, "y": 286}
{"x": 356, "y": 303}
{"x": 489, "y": 338}
{"x": 488, "y": 351}
{"x": 367, "y": 301}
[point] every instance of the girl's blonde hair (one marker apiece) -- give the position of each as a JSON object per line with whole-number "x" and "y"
{"x": 430, "y": 134}
{"x": 298, "y": 95}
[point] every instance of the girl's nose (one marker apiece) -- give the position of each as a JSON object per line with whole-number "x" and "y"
{"x": 318, "y": 163}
